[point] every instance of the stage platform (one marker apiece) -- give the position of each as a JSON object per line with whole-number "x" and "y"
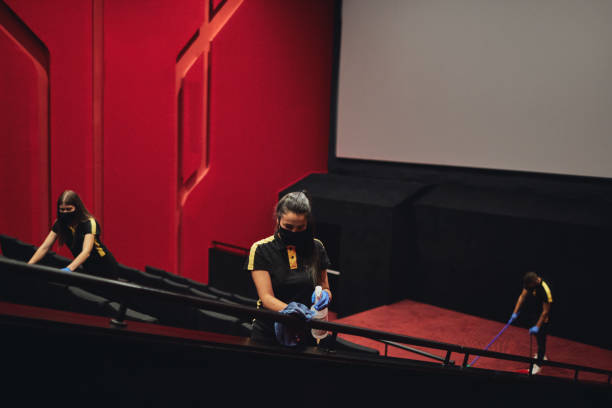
{"x": 425, "y": 321}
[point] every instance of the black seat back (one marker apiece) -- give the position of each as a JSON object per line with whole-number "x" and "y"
{"x": 16, "y": 249}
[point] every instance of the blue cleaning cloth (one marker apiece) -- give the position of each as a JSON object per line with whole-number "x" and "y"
{"x": 287, "y": 335}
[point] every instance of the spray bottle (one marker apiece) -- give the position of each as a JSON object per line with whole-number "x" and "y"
{"x": 319, "y": 315}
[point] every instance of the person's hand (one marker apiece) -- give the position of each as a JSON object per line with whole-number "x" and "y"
{"x": 298, "y": 309}
{"x": 534, "y": 330}
{"x": 513, "y": 318}
{"x": 66, "y": 269}
{"x": 289, "y": 335}
{"x": 323, "y": 300}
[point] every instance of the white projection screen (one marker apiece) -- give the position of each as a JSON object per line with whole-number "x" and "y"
{"x": 499, "y": 84}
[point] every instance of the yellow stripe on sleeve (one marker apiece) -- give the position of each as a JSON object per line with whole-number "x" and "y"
{"x": 319, "y": 241}
{"x": 549, "y": 298}
{"x": 251, "y": 264}
{"x": 99, "y": 249}
{"x": 93, "y": 225}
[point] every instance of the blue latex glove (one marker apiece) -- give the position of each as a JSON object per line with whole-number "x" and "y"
{"x": 534, "y": 330}
{"x": 323, "y": 301}
{"x": 66, "y": 269}
{"x": 287, "y": 335}
{"x": 513, "y": 318}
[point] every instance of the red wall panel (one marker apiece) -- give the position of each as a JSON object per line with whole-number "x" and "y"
{"x": 269, "y": 122}
{"x": 24, "y": 153}
{"x": 178, "y": 121}
{"x": 141, "y": 46}
{"x": 64, "y": 27}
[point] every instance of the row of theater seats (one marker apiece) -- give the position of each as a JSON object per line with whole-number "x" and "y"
{"x": 144, "y": 309}
{"x": 141, "y": 309}
{"x": 188, "y": 317}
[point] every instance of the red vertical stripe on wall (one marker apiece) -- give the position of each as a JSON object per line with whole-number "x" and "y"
{"x": 192, "y": 118}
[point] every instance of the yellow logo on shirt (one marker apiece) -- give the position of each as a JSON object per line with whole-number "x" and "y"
{"x": 292, "y": 256}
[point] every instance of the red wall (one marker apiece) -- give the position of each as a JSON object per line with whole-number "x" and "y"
{"x": 177, "y": 122}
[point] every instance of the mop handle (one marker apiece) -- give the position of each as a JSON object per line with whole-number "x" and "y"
{"x": 492, "y": 341}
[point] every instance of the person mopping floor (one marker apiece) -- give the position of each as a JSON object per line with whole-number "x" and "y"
{"x": 533, "y": 285}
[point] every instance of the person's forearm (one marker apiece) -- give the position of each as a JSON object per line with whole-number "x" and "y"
{"x": 519, "y": 302}
{"x": 272, "y": 303}
{"x": 78, "y": 261}
{"x": 39, "y": 254}
{"x": 542, "y": 319}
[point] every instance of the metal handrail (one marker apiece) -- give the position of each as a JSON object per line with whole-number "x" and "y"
{"x": 412, "y": 350}
{"x": 21, "y": 269}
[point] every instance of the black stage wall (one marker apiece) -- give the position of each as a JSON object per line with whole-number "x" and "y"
{"x": 466, "y": 247}
{"x": 475, "y": 244}
{"x": 368, "y": 228}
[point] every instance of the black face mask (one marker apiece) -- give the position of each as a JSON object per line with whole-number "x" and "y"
{"x": 299, "y": 239}
{"x": 66, "y": 218}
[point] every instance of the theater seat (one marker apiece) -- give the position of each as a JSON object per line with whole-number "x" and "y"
{"x": 244, "y": 300}
{"x": 245, "y": 329}
{"x": 167, "y": 275}
{"x": 345, "y": 345}
{"x": 229, "y": 302}
{"x": 16, "y": 249}
{"x": 151, "y": 280}
{"x": 27, "y": 291}
{"x": 99, "y": 304}
{"x": 6, "y": 245}
{"x": 224, "y": 300}
{"x": 175, "y": 287}
{"x": 168, "y": 313}
{"x": 91, "y": 303}
{"x": 131, "y": 314}
{"x": 218, "y": 322}
{"x": 57, "y": 261}
{"x": 202, "y": 287}
{"x": 201, "y": 294}
{"x": 176, "y": 278}
{"x": 138, "y": 277}
{"x": 219, "y": 292}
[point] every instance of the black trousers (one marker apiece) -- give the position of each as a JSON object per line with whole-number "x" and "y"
{"x": 107, "y": 267}
{"x": 541, "y": 339}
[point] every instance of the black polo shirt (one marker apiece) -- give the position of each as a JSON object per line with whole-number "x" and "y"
{"x": 291, "y": 279}
{"x": 541, "y": 293}
{"x": 100, "y": 260}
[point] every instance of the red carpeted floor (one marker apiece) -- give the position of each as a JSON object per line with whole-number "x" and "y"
{"x": 430, "y": 322}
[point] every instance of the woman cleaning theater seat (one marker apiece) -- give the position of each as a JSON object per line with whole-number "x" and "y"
{"x": 79, "y": 230}
{"x": 285, "y": 268}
